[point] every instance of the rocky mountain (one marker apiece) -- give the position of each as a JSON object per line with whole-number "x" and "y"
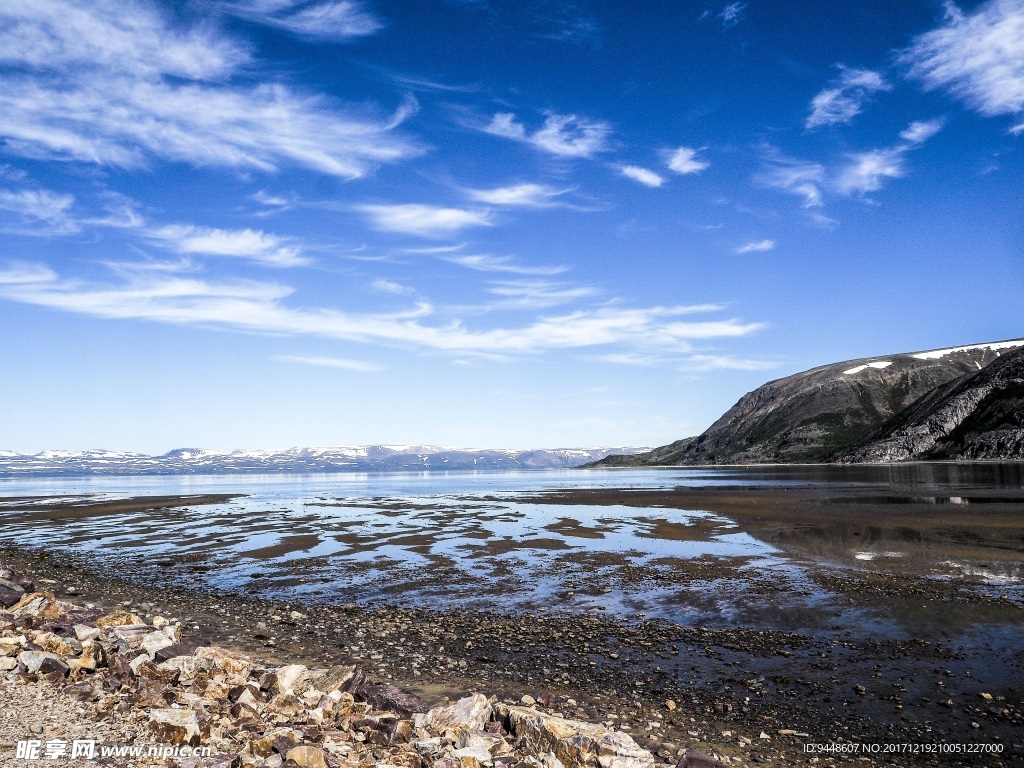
{"x": 814, "y": 415}
{"x": 369, "y": 458}
{"x": 979, "y": 416}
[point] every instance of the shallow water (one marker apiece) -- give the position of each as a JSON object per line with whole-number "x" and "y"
{"x": 469, "y": 539}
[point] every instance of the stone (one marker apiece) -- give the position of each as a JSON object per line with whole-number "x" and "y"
{"x": 175, "y": 726}
{"x": 42, "y": 604}
{"x": 119, "y": 618}
{"x": 528, "y": 701}
{"x": 289, "y": 677}
{"x": 472, "y": 712}
{"x": 693, "y": 759}
{"x": 306, "y": 756}
{"x": 473, "y": 757}
{"x": 574, "y": 743}
{"x": 7, "y": 664}
{"x": 333, "y": 678}
{"x": 41, "y": 662}
{"x": 210, "y": 657}
{"x": 155, "y": 641}
{"x": 10, "y": 593}
{"x": 62, "y": 646}
{"x": 84, "y": 632}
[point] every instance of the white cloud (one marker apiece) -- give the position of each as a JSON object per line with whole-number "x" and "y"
{"x": 336, "y": 20}
{"x": 259, "y": 307}
{"x": 1017, "y": 129}
{"x": 797, "y": 177}
{"x": 39, "y": 211}
{"x": 920, "y": 131}
{"x": 725, "y": 362}
{"x": 642, "y": 175}
{"x": 487, "y": 263}
{"x": 116, "y": 83}
{"x": 391, "y": 287}
{"x": 977, "y": 57}
{"x": 758, "y": 246}
{"x": 523, "y": 195}
{"x": 866, "y": 171}
{"x": 423, "y": 220}
{"x": 684, "y": 160}
{"x": 534, "y": 294}
{"x": 732, "y": 14}
{"x": 360, "y": 366}
{"x": 250, "y": 244}
{"x": 845, "y": 97}
{"x": 563, "y": 135}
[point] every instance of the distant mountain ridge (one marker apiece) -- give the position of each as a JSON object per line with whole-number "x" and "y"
{"x": 827, "y": 412}
{"x": 365, "y": 458}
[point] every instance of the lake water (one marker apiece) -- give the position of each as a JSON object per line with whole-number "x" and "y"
{"x": 468, "y": 538}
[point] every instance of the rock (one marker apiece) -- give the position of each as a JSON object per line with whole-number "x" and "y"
{"x": 528, "y": 701}
{"x": 119, "y": 618}
{"x": 670, "y": 705}
{"x": 84, "y": 632}
{"x": 986, "y": 696}
{"x": 155, "y": 641}
{"x": 43, "y": 663}
{"x": 210, "y": 657}
{"x": 289, "y": 677}
{"x": 473, "y": 757}
{"x": 333, "y": 678}
{"x": 42, "y": 604}
{"x": 10, "y": 593}
{"x": 175, "y": 726}
{"x": 575, "y": 744}
{"x": 472, "y": 713}
{"x": 692, "y": 759}
{"x": 7, "y": 664}
{"x": 56, "y": 644}
{"x": 306, "y": 756}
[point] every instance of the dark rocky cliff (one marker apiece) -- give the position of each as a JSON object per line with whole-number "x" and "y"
{"x": 816, "y": 415}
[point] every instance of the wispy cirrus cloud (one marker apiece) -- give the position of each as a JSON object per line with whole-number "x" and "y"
{"x": 641, "y": 175}
{"x": 260, "y": 307}
{"x": 796, "y": 177}
{"x": 38, "y": 211}
{"x": 335, "y": 20}
{"x": 250, "y": 244}
{"x": 488, "y": 263}
{"x": 757, "y": 246}
{"x": 867, "y": 171}
{"x": 423, "y": 220}
{"x": 524, "y": 195}
{"x": 344, "y": 363}
{"x": 117, "y": 83}
{"x": 562, "y": 135}
{"x": 538, "y": 294}
{"x": 381, "y": 285}
{"x": 684, "y": 160}
{"x": 732, "y": 14}
{"x": 845, "y": 97}
{"x": 976, "y": 57}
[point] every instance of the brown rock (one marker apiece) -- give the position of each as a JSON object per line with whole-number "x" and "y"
{"x": 576, "y": 744}
{"x": 472, "y": 712}
{"x": 119, "y": 618}
{"x": 306, "y": 756}
{"x": 41, "y": 604}
{"x": 175, "y": 726}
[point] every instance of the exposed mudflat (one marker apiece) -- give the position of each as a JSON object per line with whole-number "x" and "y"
{"x": 845, "y": 613}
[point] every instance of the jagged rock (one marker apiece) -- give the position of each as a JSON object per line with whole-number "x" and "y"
{"x": 576, "y": 744}
{"x": 306, "y": 756}
{"x": 210, "y": 657}
{"x": 41, "y": 662}
{"x": 41, "y": 604}
{"x": 692, "y": 759}
{"x": 7, "y": 664}
{"x": 288, "y": 678}
{"x": 84, "y": 632}
{"x": 10, "y": 593}
{"x": 333, "y": 679}
{"x": 119, "y": 618}
{"x": 472, "y": 713}
{"x": 56, "y": 644}
{"x": 175, "y": 726}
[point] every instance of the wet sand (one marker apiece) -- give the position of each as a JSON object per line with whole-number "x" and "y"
{"x": 876, "y": 651}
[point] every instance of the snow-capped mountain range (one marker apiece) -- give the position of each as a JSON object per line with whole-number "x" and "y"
{"x": 364, "y": 458}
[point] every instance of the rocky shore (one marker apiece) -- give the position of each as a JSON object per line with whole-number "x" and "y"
{"x": 163, "y": 689}
{"x": 745, "y": 697}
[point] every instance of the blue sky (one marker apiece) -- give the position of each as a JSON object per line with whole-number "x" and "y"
{"x": 542, "y": 223}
